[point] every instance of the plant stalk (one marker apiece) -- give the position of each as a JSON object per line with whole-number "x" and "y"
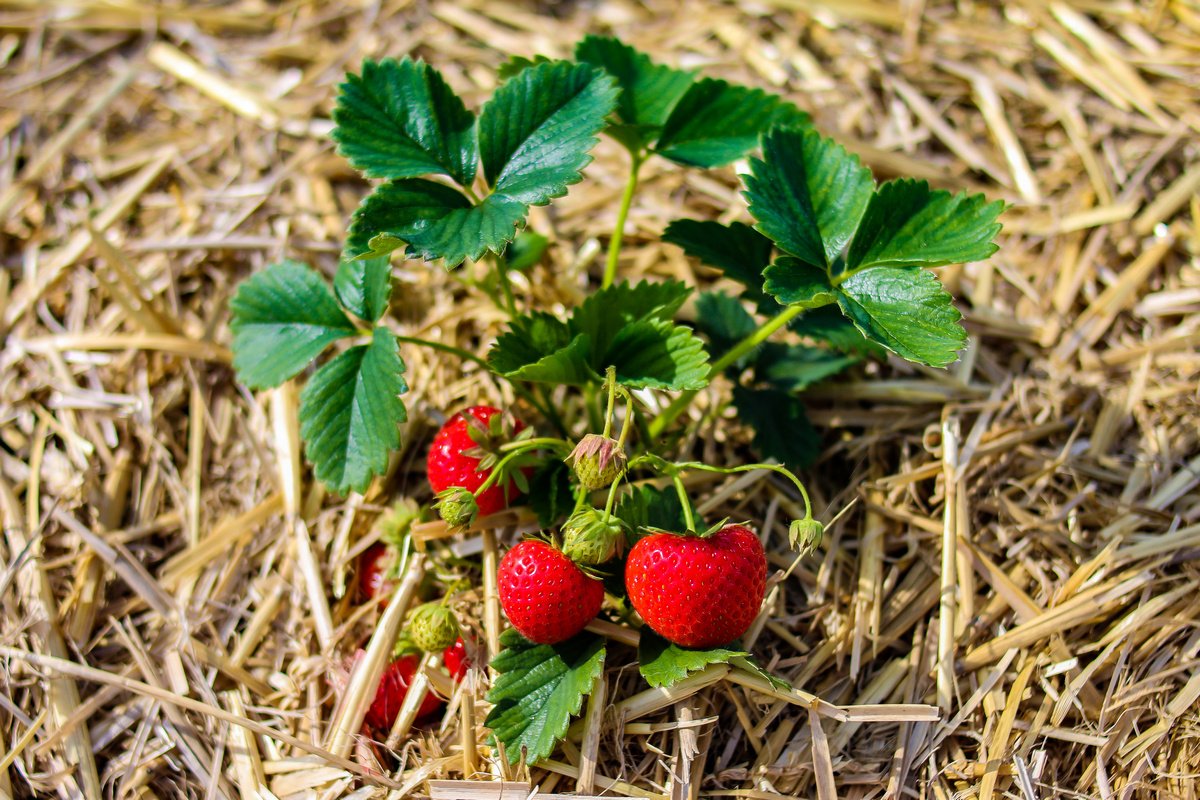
{"x": 614, "y": 245}
{"x": 668, "y": 414}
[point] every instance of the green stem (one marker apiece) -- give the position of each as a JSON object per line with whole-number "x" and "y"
{"x": 614, "y": 245}
{"x": 683, "y": 501}
{"x": 498, "y": 470}
{"x": 505, "y": 285}
{"x": 445, "y": 348}
{"x": 610, "y": 381}
{"x": 784, "y": 471}
{"x": 668, "y": 414}
{"x": 531, "y": 444}
{"x": 612, "y": 499}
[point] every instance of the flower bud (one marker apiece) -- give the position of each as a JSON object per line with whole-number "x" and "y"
{"x": 805, "y": 535}
{"x": 597, "y": 461}
{"x": 588, "y": 538}
{"x": 432, "y": 627}
{"x": 457, "y": 506}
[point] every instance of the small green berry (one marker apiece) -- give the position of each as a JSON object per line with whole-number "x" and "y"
{"x": 432, "y": 627}
{"x": 457, "y": 506}
{"x": 805, "y": 535}
{"x": 589, "y": 538}
{"x": 597, "y": 461}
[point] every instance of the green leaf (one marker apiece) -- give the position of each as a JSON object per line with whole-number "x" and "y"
{"x": 650, "y": 507}
{"x": 364, "y": 286}
{"x": 664, "y": 663}
{"x": 538, "y": 689}
{"x": 807, "y": 194}
{"x": 649, "y": 91}
{"x": 602, "y": 315}
{"x": 400, "y": 119}
{"x": 550, "y": 492}
{"x": 908, "y": 224}
{"x": 434, "y": 220}
{"x": 715, "y": 123}
{"x": 539, "y": 347}
{"x": 738, "y": 250}
{"x": 794, "y": 368}
{"x": 525, "y": 251}
{"x": 516, "y": 64}
{"x": 906, "y": 310}
{"x": 349, "y": 413}
{"x": 282, "y": 318}
{"x": 748, "y": 663}
{"x": 725, "y": 321}
{"x": 536, "y": 132}
{"x": 657, "y": 354}
{"x": 781, "y": 427}
{"x": 827, "y": 324}
{"x": 796, "y": 283}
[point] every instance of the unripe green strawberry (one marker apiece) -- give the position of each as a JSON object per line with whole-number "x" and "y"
{"x": 432, "y": 627}
{"x": 805, "y": 535}
{"x": 597, "y": 461}
{"x": 589, "y": 537}
{"x": 457, "y": 506}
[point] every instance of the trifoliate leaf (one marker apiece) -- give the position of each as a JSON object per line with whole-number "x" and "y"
{"x": 781, "y": 427}
{"x": 657, "y": 354}
{"x": 794, "y": 282}
{"x": 525, "y": 251}
{"x": 738, "y": 250}
{"x": 539, "y": 347}
{"x": 650, "y": 507}
{"x": 282, "y": 318}
{"x": 602, "y": 315}
{"x": 715, "y": 123}
{"x": 349, "y": 413}
{"x": 725, "y": 321}
{"x": 807, "y": 194}
{"x": 909, "y": 224}
{"x": 516, "y": 64}
{"x": 827, "y": 324}
{"x": 550, "y": 492}
{"x": 664, "y": 663}
{"x": 538, "y": 689}
{"x": 536, "y": 132}
{"x": 364, "y": 286}
{"x": 906, "y": 310}
{"x": 793, "y": 368}
{"x": 648, "y": 91}
{"x": 399, "y": 119}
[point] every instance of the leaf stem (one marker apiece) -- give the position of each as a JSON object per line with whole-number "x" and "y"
{"x": 505, "y": 285}
{"x": 532, "y": 444}
{"x": 614, "y": 245}
{"x": 668, "y": 414}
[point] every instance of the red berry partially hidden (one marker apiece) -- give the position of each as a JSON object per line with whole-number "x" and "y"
{"x": 373, "y": 568}
{"x": 391, "y": 692}
{"x": 696, "y": 592}
{"x": 546, "y": 597}
{"x": 456, "y": 661}
{"x": 448, "y": 466}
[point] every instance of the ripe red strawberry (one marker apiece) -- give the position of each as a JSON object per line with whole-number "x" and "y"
{"x": 546, "y": 597}
{"x": 390, "y": 695}
{"x": 698, "y": 592}
{"x": 455, "y": 659}
{"x": 373, "y": 567}
{"x": 448, "y": 465}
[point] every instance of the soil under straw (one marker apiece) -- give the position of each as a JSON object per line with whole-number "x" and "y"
{"x": 1021, "y": 549}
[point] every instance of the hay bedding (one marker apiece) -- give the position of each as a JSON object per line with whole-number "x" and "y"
{"x": 1021, "y": 547}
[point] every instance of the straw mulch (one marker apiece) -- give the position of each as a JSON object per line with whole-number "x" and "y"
{"x": 1021, "y": 547}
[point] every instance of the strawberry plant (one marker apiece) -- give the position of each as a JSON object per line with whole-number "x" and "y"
{"x": 834, "y": 271}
